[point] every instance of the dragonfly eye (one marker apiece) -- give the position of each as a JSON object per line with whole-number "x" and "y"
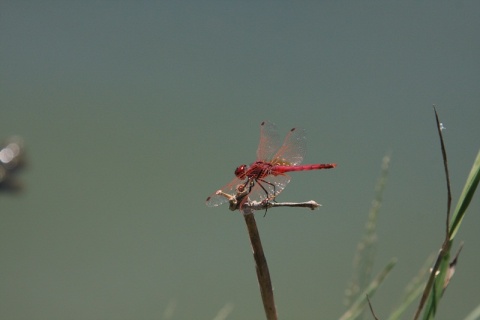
{"x": 240, "y": 171}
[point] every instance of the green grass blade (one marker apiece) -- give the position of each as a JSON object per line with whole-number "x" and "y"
{"x": 465, "y": 197}
{"x": 365, "y": 254}
{"x": 412, "y": 291}
{"x": 360, "y": 303}
{"x": 438, "y": 287}
{"x": 474, "y": 315}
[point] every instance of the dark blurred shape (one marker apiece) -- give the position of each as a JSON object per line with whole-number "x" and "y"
{"x": 12, "y": 159}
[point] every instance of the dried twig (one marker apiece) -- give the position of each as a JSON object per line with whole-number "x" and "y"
{"x": 261, "y": 266}
{"x": 254, "y": 205}
{"x": 238, "y": 202}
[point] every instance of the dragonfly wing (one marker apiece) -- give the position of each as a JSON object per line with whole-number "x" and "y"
{"x": 269, "y": 141}
{"x": 217, "y": 198}
{"x": 273, "y": 185}
{"x": 293, "y": 150}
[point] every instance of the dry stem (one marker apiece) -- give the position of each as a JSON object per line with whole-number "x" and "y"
{"x": 238, "y": 202}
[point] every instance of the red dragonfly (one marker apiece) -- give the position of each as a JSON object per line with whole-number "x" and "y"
{"x": 264, "y": 179}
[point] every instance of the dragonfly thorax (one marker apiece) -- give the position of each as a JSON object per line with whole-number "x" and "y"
{"x": 256, "y": 170}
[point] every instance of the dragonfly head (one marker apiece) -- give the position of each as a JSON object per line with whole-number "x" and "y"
{"x": 240, "y": 171}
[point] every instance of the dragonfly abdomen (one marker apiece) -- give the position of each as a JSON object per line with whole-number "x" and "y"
{"x": 282, "y": 169}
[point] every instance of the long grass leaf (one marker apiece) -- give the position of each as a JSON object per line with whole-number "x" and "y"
{"x": 438, "y": 286}
{"x": 359, "y": 304}
{"x": 412, "y": 291}
{"x": 465, "y": 197}
{"x": 365, "y": 254}
{"x": 474, "y": 315}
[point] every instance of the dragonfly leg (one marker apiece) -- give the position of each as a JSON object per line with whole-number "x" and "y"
{"x": 267, "y": 198}
{"x": 260, "y": 181}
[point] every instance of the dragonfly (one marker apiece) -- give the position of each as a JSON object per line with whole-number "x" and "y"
{"x": 265, "y": 179}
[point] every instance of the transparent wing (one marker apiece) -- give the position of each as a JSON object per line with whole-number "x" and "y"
{"x": 293, "y": 150}
{"x": 216, "y": 199}
{"x": 269, "y": 141}
{"x": 272, "y": 184}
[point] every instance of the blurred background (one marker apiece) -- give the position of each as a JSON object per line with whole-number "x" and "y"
{"x": 133, "y": 112}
